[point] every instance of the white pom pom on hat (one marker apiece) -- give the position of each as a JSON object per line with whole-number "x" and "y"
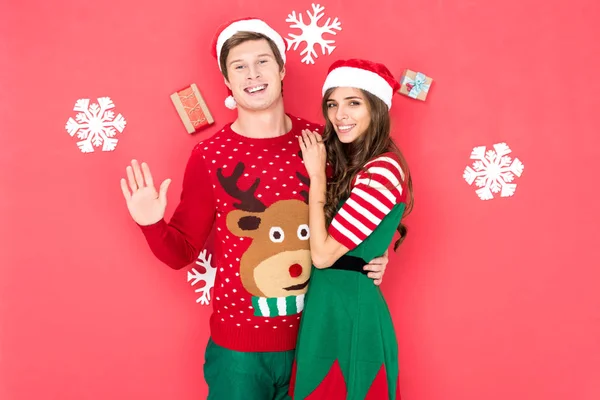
{"x": 230, "y": 103}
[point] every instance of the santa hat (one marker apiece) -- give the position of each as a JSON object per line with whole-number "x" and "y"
{"x": 226, "y": 31}
{"x": 372, "y": 77}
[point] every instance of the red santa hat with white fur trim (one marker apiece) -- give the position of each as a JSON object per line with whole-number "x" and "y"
{"x": 229, "y": 29}
{"x": 372, "y": 77}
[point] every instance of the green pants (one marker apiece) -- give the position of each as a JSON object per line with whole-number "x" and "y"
{"x": 234, "y": 375}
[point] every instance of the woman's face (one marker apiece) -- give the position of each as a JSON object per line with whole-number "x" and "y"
{"x": 348, "y": 113}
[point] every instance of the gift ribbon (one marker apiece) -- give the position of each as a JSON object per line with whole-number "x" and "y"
{"x": 192, "y": 107}
{"x": 416, "y": 85}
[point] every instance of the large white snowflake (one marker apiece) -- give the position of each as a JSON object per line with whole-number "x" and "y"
{"x": 95, "y": 124}
{"x": 493, "y": 171}
{"x": 312, "y": 33}
{"x": 207, "y": 277}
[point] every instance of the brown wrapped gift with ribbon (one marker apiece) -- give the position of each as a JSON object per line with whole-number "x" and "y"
{"x": 192, "y": 109}
{"x": 415, "y": 84}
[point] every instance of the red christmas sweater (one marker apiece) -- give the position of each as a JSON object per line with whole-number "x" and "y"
{"x": 256, "y": 192}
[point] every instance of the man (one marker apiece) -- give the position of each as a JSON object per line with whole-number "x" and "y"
{"x": 250, "y": 182}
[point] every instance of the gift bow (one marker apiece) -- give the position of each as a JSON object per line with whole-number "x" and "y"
{"x": 417, "y": 85}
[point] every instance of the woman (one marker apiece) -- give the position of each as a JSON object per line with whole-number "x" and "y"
{"x": 347, "y": 346}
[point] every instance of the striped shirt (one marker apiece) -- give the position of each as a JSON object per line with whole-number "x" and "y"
{"x": 375, "y": 191}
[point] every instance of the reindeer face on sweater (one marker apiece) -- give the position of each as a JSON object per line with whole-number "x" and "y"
{"x": 277, "y": 263}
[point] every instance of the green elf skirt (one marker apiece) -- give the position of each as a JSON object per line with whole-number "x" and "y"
{"x": 347, "y": 346}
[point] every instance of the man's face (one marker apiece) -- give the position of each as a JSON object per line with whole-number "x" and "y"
{"x": 254, "y": 76}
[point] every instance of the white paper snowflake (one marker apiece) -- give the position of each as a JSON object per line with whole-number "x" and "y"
{"x": 95, "y": 124}
{"x": 312, "y": 33}
{"x": 493, "y": 171}
{"x": 207, "y": 277}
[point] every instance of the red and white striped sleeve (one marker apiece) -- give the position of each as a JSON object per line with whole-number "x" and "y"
{"x": 376, "y": 190}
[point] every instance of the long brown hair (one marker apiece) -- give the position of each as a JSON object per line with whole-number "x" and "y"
{"x": 348, "y": 159}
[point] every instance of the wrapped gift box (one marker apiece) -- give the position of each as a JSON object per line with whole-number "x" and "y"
{"x": 415, "y": 84}
{"x": 192, "y": 109}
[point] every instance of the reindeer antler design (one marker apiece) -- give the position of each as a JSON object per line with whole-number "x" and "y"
{"x": 306, "y": 181}
{"x": 246, "y": 198}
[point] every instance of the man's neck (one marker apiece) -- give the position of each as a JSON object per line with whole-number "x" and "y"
{"x": 262, "y": 124}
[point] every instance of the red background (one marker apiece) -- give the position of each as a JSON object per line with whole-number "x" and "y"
{"x": 492, "y": 299}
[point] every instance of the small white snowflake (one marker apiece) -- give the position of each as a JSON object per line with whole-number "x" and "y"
{"x": 207, "y": 277}
{"x": 312, "y": 33}
{"x": 493, "y": 171}
{"x": 95, "y": 124}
